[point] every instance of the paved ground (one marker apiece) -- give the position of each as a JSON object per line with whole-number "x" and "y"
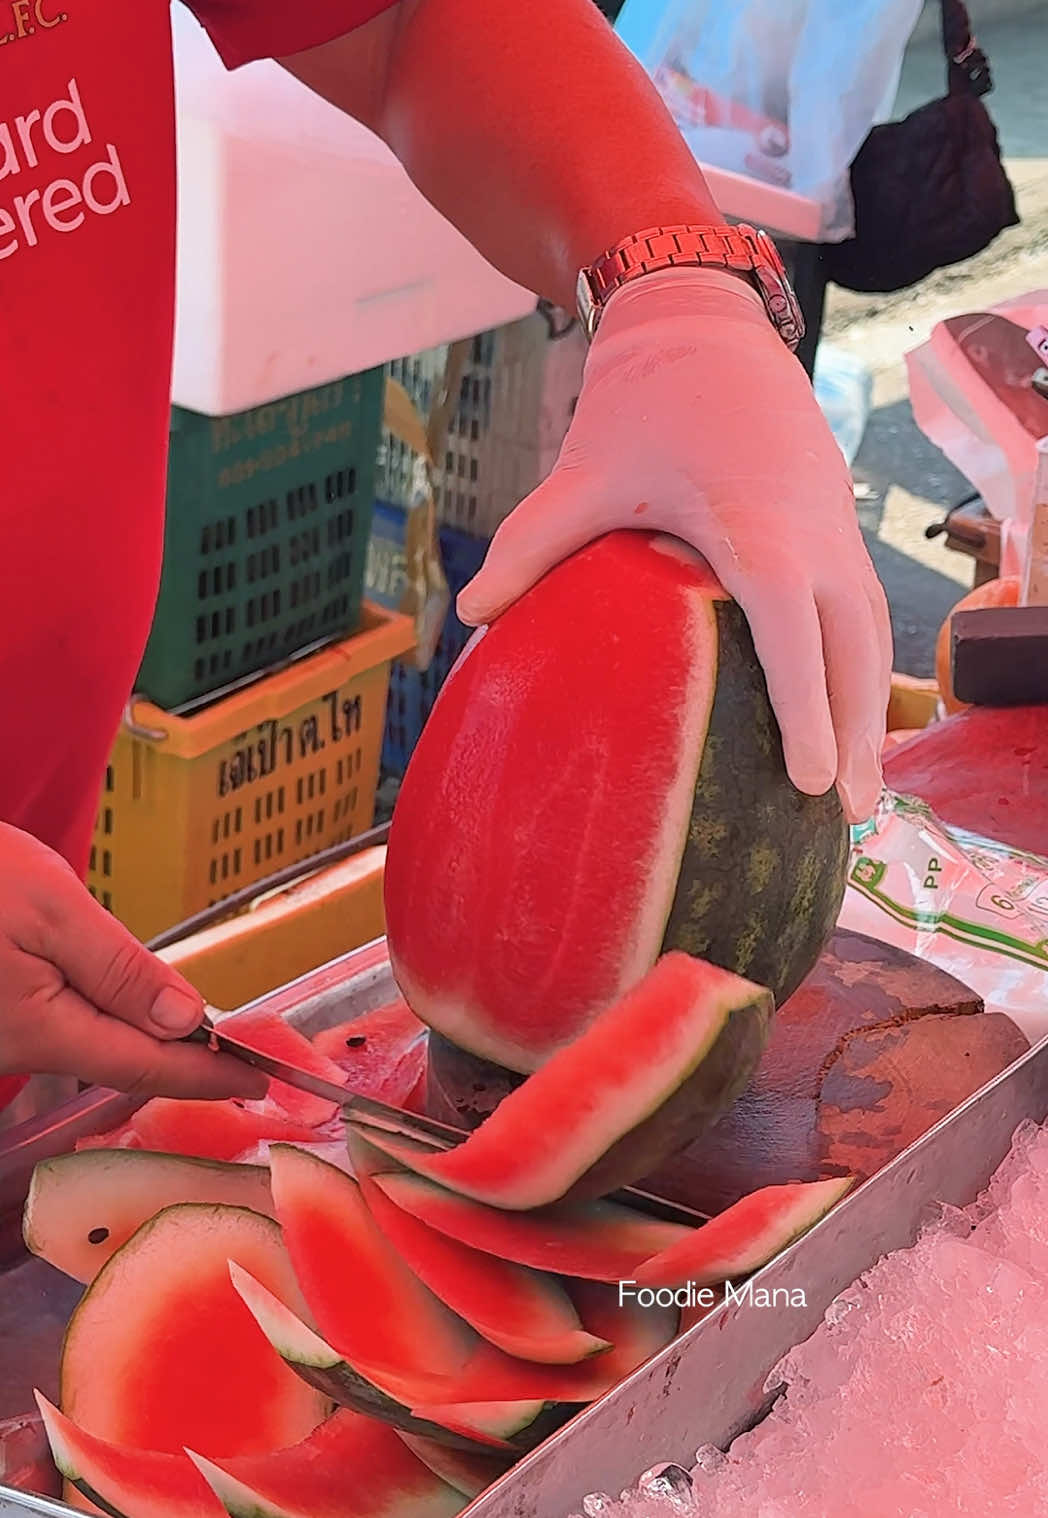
{"x": 903, "y": 482}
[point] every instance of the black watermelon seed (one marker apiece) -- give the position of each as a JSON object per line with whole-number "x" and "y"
{"x": 357, "y": 1041}
{"x": 98, "y": 1235}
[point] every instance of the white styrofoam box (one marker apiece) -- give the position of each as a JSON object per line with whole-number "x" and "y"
{"x": 304, "y": 251}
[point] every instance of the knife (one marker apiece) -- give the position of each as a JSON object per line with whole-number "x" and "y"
{"x": 370, "y": 1113}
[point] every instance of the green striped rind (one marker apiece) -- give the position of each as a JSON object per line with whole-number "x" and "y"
{"x": 764, "y": 868}
{"x": 712, "y": 1087}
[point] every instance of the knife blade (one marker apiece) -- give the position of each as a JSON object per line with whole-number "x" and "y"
{"x": 369, "y": 1112}
{"x": 362, "y": 1109}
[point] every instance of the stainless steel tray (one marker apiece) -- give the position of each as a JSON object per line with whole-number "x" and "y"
{"x": 709, "y": 1385}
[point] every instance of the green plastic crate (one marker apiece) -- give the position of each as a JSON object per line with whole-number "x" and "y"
{"x": 268, "y": 519}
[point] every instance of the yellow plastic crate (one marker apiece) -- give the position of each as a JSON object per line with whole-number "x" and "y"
{"x": 287, "y": 935}
{"x": 196, "y": 807}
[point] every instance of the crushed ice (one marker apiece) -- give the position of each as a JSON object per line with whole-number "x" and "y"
{"x": 921, "y": 1393}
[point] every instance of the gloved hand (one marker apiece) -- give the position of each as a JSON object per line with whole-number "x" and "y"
{"x": 80, "y": 996}
{"x": 696, "y": 420}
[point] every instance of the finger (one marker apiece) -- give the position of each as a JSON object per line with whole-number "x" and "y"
{"x": 107, "y": 965}
{"x": 545, "y": 528}
{"x": 75, "y": 1039}
{"x": 787, "y": 636}
{"x": 856, "y": 678}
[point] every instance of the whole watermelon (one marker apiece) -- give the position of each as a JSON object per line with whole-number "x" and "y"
{"x": 602, "y": 780}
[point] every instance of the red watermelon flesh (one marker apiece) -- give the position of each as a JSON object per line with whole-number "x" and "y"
{"x": 614, "y": 724}
{"x": 380, "y": 1393}
{"x": 382, "y": 1053}
{"x": 597, "y": 1241}
{"x": 270, "y": 1034}
{"x": 365, "y": 1300}
{"x": 745, "y": 1236}
{"x": 518, "y": 1310}
{"x": 349, "y": 1467}
{"x": 161, "y": 1352}
{"x": 82, "y": 1207}
{"x": 396, "y": 1332}
{"x": 561, "y": 1126}
{"x": 206, "y": 1130}
{"x": 468, "y": 1473}
{"x": 986, "y": 770}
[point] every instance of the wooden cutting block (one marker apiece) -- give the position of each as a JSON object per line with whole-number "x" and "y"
{"x": 869, "y": 1053}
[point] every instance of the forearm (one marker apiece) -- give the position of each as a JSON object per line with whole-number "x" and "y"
{"x": 530, "y": 127}
{"x": 536, "y": 132}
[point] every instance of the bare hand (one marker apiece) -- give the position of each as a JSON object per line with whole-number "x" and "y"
{"x": 79, "y": 995}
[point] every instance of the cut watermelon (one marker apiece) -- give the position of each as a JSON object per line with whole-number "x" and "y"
{"x": 469, "y": 1474}
{"x": 375, "y": 1393}
{"x": 206, "y": 1130}
{"x": 519, "y": 1310}
{"x": 161, "y": 1353}
{"x": 615, "y": 725}
{"x": 745, "y": 1236}
{"x": 348, "y": 1467}
{"x": 130, "y": 1483}
{"x": 382, "y": 1053}
{"x": 598, "y": 1241}
{"x": 82, "y": 1207}
{"x": 637, "y": 1085}
{"x": 365, "y": 1300}
{"x": 270, "y": 1034}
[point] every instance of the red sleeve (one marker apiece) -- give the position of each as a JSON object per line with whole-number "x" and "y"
{"x": 244, "y": 30}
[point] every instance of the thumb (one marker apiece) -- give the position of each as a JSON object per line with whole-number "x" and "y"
{"x": 555, "y": 520}
{"x": 108, "y": 966}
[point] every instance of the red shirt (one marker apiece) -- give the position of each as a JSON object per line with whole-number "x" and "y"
{"x": 87, "y": 220}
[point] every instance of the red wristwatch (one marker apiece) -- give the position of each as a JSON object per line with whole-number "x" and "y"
{"x": 737, "y": 249}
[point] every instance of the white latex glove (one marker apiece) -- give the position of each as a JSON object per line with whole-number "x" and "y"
{"x": 696, "y": 420}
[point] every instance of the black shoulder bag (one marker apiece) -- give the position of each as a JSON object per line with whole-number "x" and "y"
{"x": 929, "y": 190}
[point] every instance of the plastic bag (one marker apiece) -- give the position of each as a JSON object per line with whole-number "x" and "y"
{"x": 783, "y": 91}
{"x": 844, "y": 391}
{"x": 975, "y": 908}
{"x": 971, "y": 395}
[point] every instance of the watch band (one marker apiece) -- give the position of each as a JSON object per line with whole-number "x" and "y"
{"x": 737, "y": 249}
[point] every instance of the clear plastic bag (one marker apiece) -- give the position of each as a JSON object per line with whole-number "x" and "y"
{"x": 971, "y": 395}
{"x": 783, "y": 91}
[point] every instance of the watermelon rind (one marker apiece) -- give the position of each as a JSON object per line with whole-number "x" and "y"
{"x": 745, "y": 1236}
{"x": 514, "y": 1426}
{"x": 645, "y": 1077}
{"x": 82, "y": 1207}
{"x": 597, "y": 1241}
{"x": 158, "y": 1353}
{"x": 350, "y": 1467}
{"x": 525, "y": 1313}
{"x": 633, "y": 755}
{"x": 469, "y": 1473}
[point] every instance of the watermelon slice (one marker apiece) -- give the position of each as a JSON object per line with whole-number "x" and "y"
{"x": 669, "y": 1050}
{"x": 206, "y": 1130}
{"x": 349, "y": 1467}
{"x": 506, "y": 1426}
{"x": 382, "y": 1053}
{"x": 269, "y": 1034}
{"x": 82, "y": 1207}
{"x": 517, "y": 1309}
{"x": 469, "y": 1474}
{"x": 598, "y": 1241}
{"x": 615, "y": 725}
{"x": 161, "y": 1353}
{"x": 364, "y": 1298}
{"x": 745, "y": 1236}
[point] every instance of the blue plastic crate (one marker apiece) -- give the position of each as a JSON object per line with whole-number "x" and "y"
{"x": 411, "y": 693}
